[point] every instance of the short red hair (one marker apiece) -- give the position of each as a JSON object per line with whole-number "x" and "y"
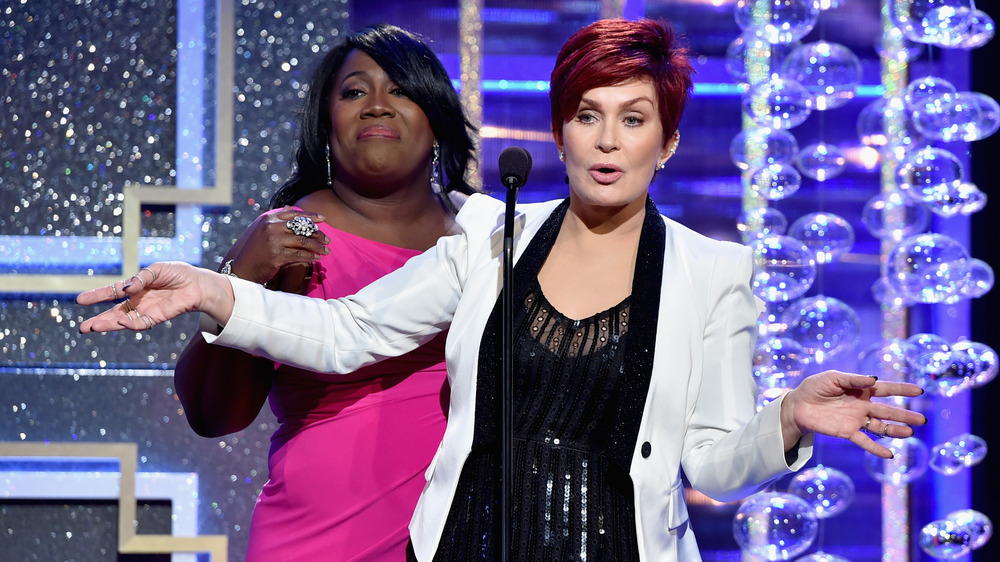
{"x": 612, "y": 51}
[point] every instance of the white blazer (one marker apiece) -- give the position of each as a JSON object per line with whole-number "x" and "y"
{"x": 699, "y": 413}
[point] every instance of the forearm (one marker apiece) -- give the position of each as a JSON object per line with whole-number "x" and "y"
{"x": 221, "y": 389}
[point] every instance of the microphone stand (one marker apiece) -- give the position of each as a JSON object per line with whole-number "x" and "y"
{"x": 507, "y": 394}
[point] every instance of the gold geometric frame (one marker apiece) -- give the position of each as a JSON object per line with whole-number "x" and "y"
{"x": 129, "y": 542}
{"x": 135, "y": 196}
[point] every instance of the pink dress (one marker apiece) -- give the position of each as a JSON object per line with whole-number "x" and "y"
{"x": 347, "y": 462}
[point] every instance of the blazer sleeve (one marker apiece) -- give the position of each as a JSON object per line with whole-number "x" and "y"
{"x": 730, "y": 449}
{"x": 394, "y": 315}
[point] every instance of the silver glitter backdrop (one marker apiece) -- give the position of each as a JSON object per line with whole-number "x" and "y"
{"x": 88, "y": 105}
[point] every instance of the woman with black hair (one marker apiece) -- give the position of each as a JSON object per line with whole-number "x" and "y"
{"x": 381, "y": 126}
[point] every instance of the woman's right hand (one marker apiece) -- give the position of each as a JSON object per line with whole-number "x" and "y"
{"x": 268, "y": 245}
{"x": 157, "y": 293}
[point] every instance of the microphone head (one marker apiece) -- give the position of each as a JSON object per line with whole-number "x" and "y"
{"x": 515, "y": 163}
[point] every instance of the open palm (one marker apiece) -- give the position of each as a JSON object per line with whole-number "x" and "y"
{"x": 154, "y": 295}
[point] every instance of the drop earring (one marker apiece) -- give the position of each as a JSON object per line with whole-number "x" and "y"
{"x": 435, "y": 172}
{"x": 329, "y": 167}
{"x": 562, "y": 156}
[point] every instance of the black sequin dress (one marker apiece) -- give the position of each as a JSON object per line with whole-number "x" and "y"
{"x": 577, "y": 406}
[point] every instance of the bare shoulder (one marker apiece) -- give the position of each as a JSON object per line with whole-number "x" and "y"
{"x": 321, "y": 201}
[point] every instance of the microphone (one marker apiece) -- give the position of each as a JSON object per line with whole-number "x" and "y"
{"x": 515, "y": 163}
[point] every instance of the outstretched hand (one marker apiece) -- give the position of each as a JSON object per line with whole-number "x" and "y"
{"x": 158, "y": 293}
{"x": 840, "y": 405}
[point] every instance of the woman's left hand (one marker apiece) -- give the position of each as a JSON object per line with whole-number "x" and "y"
{"x": 840, "y": 405}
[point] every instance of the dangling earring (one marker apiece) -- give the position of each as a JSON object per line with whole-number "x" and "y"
{"x": 329, "y": 167}
{"x": 435, "y": 173}
{"x": 562, "y": 156}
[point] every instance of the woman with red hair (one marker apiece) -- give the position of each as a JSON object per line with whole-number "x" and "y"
{"x": 633, "y": 338}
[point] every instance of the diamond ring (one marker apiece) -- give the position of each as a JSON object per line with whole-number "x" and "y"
{"x": 302, "y": 226}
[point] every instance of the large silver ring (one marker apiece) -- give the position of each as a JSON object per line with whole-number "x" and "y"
{"x": 302, "y": 226}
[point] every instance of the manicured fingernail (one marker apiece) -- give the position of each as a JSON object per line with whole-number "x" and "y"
{"x": 873, "y": 376}
{"x": 126, "y": 286}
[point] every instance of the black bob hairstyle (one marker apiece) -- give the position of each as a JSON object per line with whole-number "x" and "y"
{"x": 409, "y": 63}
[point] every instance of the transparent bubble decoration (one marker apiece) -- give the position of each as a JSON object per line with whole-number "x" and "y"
{"x": 972, "y": 198}
{"x": 760, "y": 146}
{"x": 957, "y": 454}
{"x": 984, "y": 357}
{"x": 767, "y": 395}
{"x": 885, "y": 360}
{"x": 909, "y": 462}
{"x": 980, "y": 31}
{"x": 907, "y": 52}
{"x": 775, "y": 526}
{"x": 927, "y": 90}
{"x": 988, "y": 116}
{"x": 778, "y": 362}
{"x": 928, "y": 174}
{"x": 979, "y": 526}
{"x": 928, "y": 268}
{"x": 948, "y": 25}
{"x": 887, "y": 126}
{"x": 761, "y": 222}
{"x": 885, "y": 294}
{"x": 775, "y": 181}
{"x": 784, "y": 268}
{"x": 829, "y": 71}
{"x": 947, "y": 118}
{"x": 752, "y": 59}
{"x": 779, "y": 103}
{"x": 777, "y": 21}
{"x": 827, "y": 490}
{"x": 979, "y": 282}
{"x": 823, "y": 326}
{"x": 953, "y": 199}
{"x": 893, "y": 216}
{"x": 936, "y": 368}
{"x": 821, "y": 556}
{"x": 925, "y": 20}
{"x": 821, "y": 161}
{"x": 927, "y": 352}
{"x": 828, "y": 235}
{"x": 944, "y": 540}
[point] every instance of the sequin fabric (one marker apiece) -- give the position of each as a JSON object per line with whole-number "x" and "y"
{"x": 579, "y": 391}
